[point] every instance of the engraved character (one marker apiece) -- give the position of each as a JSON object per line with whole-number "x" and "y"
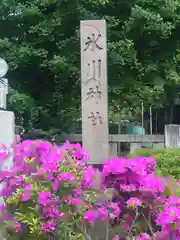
{"x": 94, "y": 94}
{"x": 94, "y": 71}
{"x": 96, "y": 118}
{"x": 92, "y": 42}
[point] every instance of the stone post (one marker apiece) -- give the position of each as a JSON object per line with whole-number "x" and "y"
{"x": 172, "y": 136}
{"x": 94, "y": 90}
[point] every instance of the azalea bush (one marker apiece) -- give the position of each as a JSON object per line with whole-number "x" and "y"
{"x": 149, "y": 204}
{"x": 167, "y": 159}
{"x": 50, "y": 192}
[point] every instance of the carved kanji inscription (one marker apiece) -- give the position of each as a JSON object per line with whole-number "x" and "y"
{"x": 92, "y": 42}
{"x": 96, "y": 118}
{"x": 94, "y": 93}
{"x": 94, "y": 71}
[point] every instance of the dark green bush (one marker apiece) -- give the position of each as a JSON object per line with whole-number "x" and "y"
{"x": 168, "y": 160}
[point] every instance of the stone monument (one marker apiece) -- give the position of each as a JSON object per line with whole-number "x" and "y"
{"x": 94, "y": 90}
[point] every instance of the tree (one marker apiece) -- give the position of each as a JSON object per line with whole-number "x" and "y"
{"x": 40, "y": 41}
{"x": 42, "y": 51}
{"x": 144, "y": 49}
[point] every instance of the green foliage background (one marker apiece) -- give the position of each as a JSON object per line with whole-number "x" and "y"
{"x": 40, "y": 41}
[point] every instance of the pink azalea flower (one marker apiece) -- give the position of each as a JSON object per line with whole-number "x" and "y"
{"x": 116, "y": 237}
{"x": 134, "y": 202}
{"x": 90, "y": 216}
{"x": 143, "y": 236}
{"x": 49, "y": 226}
{"x": 43, "y": 198}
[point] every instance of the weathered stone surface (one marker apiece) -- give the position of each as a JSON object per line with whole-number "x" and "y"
{"x": 94, "y": 91}
{"x": 172, "y": 136}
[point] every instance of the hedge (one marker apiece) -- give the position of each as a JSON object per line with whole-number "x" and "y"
{"x": 168, "y": 159}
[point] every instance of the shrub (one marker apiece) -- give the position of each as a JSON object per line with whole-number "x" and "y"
{"x": 147, "y": 152}
{"x": 139, "y": 193}
{"x": 50, "y": 190}
{"x": 168, "y": 160}
{"x": 51, "y": 193}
